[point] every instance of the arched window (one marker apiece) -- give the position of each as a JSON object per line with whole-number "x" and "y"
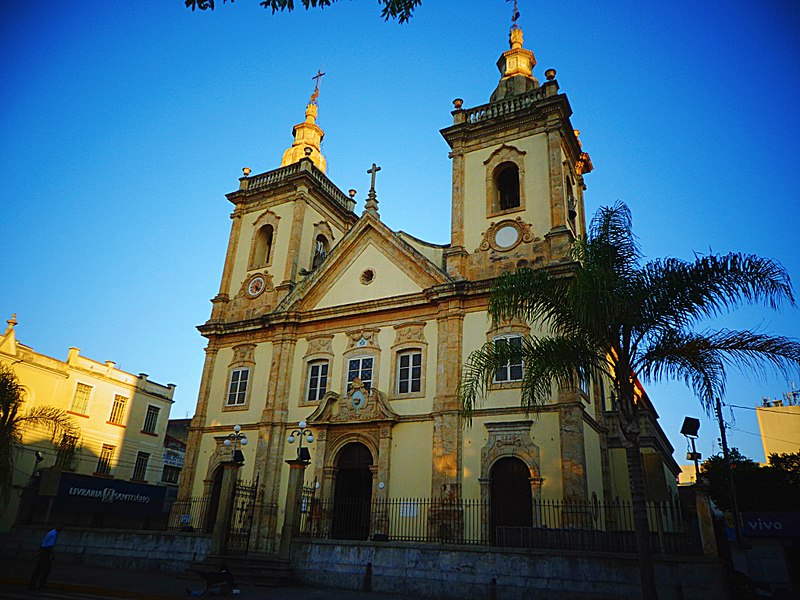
{"x": 262, "y": 253}
{"x": 506, "y": 181}
{"x": 572, "y": 211}
{"x": 320, "y": 250}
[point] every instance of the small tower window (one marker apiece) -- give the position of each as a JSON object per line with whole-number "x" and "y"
{"x": 572, "y": 211}
{"x": 263, "y": 250}
{"x": 321, "y": 249}
{"x": 507, "y": 183}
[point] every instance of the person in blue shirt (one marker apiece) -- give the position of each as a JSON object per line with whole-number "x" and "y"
{"x": 44, "y": 560}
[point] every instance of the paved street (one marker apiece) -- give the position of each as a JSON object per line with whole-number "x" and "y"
{"x": 68, "y": 581}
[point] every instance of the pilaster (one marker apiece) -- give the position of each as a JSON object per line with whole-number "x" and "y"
{"x": 573, "y": 447}
{"x": 230, "y": 256}
{"x": 272, "y": 435}
{"x": 196, "y": 427}
{"x": 447, "y": 431}
{"x": 295, "y": 239}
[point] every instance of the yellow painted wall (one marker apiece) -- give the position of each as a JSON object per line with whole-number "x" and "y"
{"x": 780, "y": 429}
{"x": 280, "y": 246}
{"x": 411, "y": 470}
{"x": 389, "y": 279}
{"x": 47, "y": 381}
{"x": 537, "y": 193}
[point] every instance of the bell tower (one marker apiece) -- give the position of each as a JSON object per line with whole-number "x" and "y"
{"x": 518, "y": 171}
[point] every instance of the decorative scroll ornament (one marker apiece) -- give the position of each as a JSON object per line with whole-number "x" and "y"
{"x": 506, "y": 235}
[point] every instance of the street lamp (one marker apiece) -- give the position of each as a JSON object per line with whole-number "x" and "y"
{"x": 689, "y": 430}
{"x": 235, "y": 439}
{"x": 302, "y": 453}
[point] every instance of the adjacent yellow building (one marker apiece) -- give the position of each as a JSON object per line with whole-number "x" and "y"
{"x": 122, "y": 420}
{"x": 779, "y": 424}
{"x": 332, "y": 318}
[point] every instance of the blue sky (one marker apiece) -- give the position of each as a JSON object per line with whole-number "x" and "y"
{"x": 122, "y": 126}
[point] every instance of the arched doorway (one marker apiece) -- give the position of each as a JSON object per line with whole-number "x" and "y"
{"x": 213, "y": 504}
{"x": 352, "y": 493}
{"x": 511, "y": 499}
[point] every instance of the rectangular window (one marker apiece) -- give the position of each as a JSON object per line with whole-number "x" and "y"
{"x": 80, "y": 402}
{"x": 140, "y": 468}
{"x": 584, "y": 385}
{"x": 66, "y": 454}
{"x": 237, "y": 390}
{"x": 104, "y": 462}
{"x": 118, "y": 410}
{"x": 170, "y": 474}
{"x": 512, "y": 370}
{"x": 317, "y": 380}
{"x": 360, "y": 368}
{"x": 409, "y": 371}
{"x": 151, "y": 419}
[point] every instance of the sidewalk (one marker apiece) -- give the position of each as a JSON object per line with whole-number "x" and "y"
{"x": 116, "y": 583}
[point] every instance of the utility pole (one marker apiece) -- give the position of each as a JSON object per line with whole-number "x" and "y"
{"x": 729, "y": 471}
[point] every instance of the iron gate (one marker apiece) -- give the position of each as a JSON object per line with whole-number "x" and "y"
{"x": 242, "y": 514}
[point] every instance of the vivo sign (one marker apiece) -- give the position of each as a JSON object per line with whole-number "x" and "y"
{"x": 771, "y": 524}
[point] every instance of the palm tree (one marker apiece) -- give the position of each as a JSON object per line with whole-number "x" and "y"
{"x": 13, "y": 422}
{"x": 610, "y": 315}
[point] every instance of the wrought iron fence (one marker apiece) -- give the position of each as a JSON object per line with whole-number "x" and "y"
{"x": 189, "y": 514}
{"x": 601, "y": 527}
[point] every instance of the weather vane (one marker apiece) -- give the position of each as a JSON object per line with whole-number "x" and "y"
{"x": 514, "y": 14}
{"x": 316, "y": 79}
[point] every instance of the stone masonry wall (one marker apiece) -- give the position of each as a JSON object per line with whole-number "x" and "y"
{"x": 467, "y": 573}
{"x": 134, "y": 550}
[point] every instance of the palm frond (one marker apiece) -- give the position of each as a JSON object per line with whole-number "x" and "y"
{"x": 687, "y": 357}
{"x": 532, "y": 294}
{"x": 676, "y": 293}
{"x": 547, "y": 360}
{"x": 53, "y": 420}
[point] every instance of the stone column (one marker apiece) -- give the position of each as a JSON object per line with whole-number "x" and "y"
{"x": 272, "y": 436}
{"x": 291, "y": 516}
{"x": 456, "y": 252}
{"x": 559, "y": 237}
{"x": 230, "y": 255}
{"x": 295, "y": 240}
{"x": 705, "y": 521}
{"x": 573, "y": 449}
{"x": 190, "y": 466}
{"x": 447, "y": 431}
{"x": 219, "y": 537}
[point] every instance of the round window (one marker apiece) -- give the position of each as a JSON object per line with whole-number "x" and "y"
{"x": 367, "y": 277}
{"x": 506, "y": 237}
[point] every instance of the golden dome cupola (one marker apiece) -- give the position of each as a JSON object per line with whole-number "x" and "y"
{"x": 307, "y": 135}
{"x": 516, "y": 66}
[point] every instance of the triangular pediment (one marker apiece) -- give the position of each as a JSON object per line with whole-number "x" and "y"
{"x": 370, "y": 263}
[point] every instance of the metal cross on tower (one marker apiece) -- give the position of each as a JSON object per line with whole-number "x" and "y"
{"x": 316, "y": 79}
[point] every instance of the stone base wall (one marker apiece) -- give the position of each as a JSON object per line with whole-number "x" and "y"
{"x": 467, "y": 573}
{"x": 122, "y": 549}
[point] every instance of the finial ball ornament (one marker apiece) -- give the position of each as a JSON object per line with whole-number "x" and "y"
{"x": 352, "y": 192}
{"x": 458, "y": 103}
{"x": 246, "y": 171}
{"x": 550, "y": 74}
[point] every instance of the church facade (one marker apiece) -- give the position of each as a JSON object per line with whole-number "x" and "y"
{"x": 332, "y": 318}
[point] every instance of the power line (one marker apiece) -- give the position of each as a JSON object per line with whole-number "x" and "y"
{"x": 772, "y": 410}
{"x": 765, "y": 436}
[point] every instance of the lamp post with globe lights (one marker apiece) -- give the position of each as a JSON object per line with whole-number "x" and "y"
{"x": 298, "y": 434}
{"x": 230, "y": 474}
{"x": 237, "y": 438}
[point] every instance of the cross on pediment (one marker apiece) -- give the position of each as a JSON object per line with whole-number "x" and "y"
{"x": 375, "y": 168}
